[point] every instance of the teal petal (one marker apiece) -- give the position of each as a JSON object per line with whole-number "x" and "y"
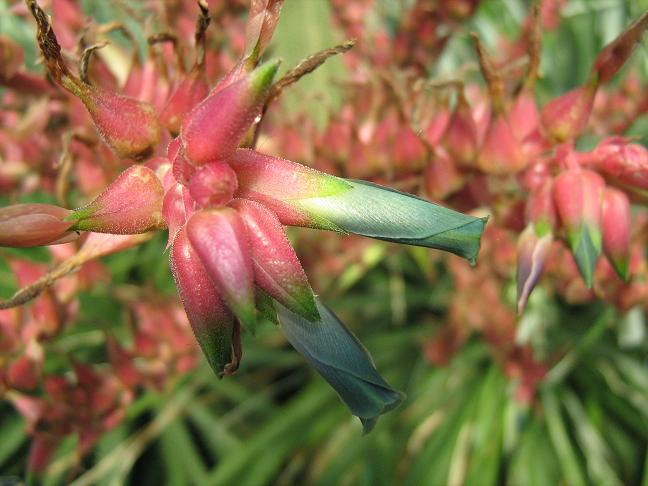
{"x": 386, "y": 214}
{"x": 336, "y": 354}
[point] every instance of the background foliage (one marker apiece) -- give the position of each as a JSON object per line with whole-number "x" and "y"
{"x": 276, "y": 422}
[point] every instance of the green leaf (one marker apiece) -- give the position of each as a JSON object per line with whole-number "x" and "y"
{"x": 336, "y": 354}
{"x": 387, "y": 214}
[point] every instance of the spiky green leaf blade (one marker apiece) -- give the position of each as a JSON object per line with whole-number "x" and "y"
{"x": 336, "y": 354}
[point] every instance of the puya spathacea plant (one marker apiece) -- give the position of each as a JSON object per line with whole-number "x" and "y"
{"x": 225, "y": 206}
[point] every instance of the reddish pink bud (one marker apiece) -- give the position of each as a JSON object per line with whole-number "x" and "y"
{"x": 617, "y": 52}
{"x": 214, "y": 128}
{"x": 524, "y": 117}
{"x": 211, "y": 321}
{"x": 24, "y": 373}
{"x": 532, "y": 251}
{"x": 220, "y": 239}
{"x": 501, "y": 152}
{"x": 276, "y": 267}
{"x": 615, "y": 212}
{"x": 213, "y": 185}
{"x": 131, "y": 204}
{"x": 577, "y": 195}
{"x": 541, "y": 209}
{"x": 624, "y": 163}
{"x": 460, "y": 138}
{"x": 130, "y": 127}
{"x": 442, "y": 178}
{"x": 275, "y": 182}
{"x": 191, "y": 91}
{"x": 262, "y": 20}
{"x": 25, "y": 225}
{"x": 177, "y": 207}
{"x": 566, "y": 117}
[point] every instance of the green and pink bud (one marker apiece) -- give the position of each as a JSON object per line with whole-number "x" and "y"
{"x": 461, "y": 136}
{"x": 616, "y": 53}
{"x": 26, "y": 225}
{"x": 501, "y": 151}
{"x": 130, "y": 127}
{"x": 211, "y": 321}
{"x": 213, "y": 185}
{"x": 578, "y": 195}
{"x": 566, "y": 117}
{"x": 131, "y": 204}
{"x": 615, "y": 222}
{"x": 220, "y": 239}
{"x": 277, "y": 270}
{"x": 535, "y": 241}
{"x": 216, "y": 126}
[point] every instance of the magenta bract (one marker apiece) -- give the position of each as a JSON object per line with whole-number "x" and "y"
{"x": 214, "y": 128}
{"x": 131, "y": 204}
{"x": 220, "y": 239}
{"x": 276, "y": 267}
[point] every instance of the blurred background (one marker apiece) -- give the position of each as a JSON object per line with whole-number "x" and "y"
{"x": 556, "y": 395}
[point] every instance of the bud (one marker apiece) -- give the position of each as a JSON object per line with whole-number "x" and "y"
{"x": 524, "y": 116}
{"x": 131, "y": 204}
{"x": 214, "y": 128}
{"x": 532, "y": 251}
{"x": 220, "y": 240}
{"x": 615, "y": 215}
{"x": 25, "y": 225}
{"x": 623, "y": 163}
{"x": 566, "y": 117}
{"x": 501, "y": 152}
{"x": 276, "y": 267}
{"x": 535, "y": 241}
{"x": 577, "y": 195}
{"x": 211, "y": 322}
{"x": 460, "y": 138}
{"x": 182, "y": 169}
{"x": 616, "y": 53}
{"x": 441, "y": 178}
{"x": 130, "y": 127}
{"x": 213, "y": 185}
{"x": 191, "y": 91}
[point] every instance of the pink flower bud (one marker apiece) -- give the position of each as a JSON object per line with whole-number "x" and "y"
{"x": 275, "y": 182}
{"x": 213, "y": 185}
{"x": 211, "y": 321}
{"x": 182, "y": 169}
{"x": 131, "y": 204}
{"x": 276, "y": 267}
{"x": 460, "y": 138}
{"x": 541, "y": 209}
{"x": 214, "y": 128}
{"x": 191, "y": 91}
{"x": 25, "y": 225}
{"x": 532, "y": 251}
{"x": 501, "y": 152}
{"x": 524, "y": 116}
{"x": 578, "y": 195}
{"x": 623, "y": 163}
{"x": 617, "y": 52}
{"x": 566, "y": 117}
{"x": 442, "y": 178}
{"x": 615, "y": 212}
{"x": 220, "y": 239}
{"x": 129, "y": 126}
